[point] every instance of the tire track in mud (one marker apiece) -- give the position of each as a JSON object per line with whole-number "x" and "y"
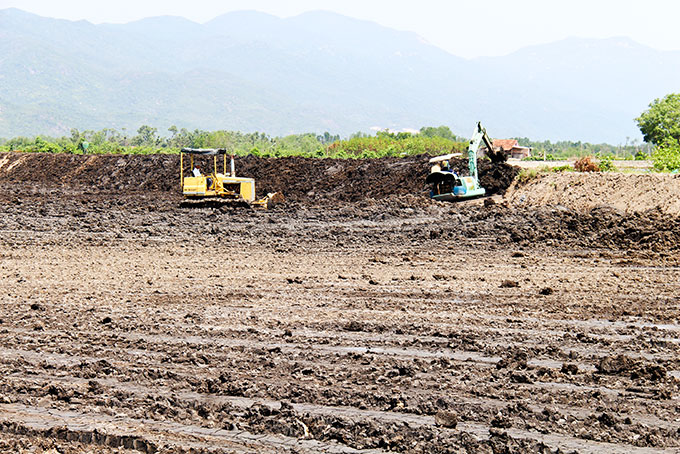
{"x": 181, "y": 372}
{"x": 39, "y": 359}
{"x": 602, "y": 342}
{"x": 481, "y": 431}
{"x": 70, "y": 360}
{"x": 441, "y": 351}
{"x": 151, "y": 435}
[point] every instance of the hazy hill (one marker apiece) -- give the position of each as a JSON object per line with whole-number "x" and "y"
{"x": 314, "y": 72}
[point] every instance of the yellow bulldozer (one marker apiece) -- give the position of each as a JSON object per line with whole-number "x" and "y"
{"x": 221, "y": 187}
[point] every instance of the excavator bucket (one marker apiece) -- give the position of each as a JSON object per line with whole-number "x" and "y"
{"x": 497, "y": 156}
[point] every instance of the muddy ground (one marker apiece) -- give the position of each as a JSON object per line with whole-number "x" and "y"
{"x": 358, "y": 317}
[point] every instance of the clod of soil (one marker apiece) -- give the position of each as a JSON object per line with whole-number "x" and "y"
{"x": 569, "y": 369}
{"x": 509, "y": 284}
{"x": 501, "y": 421}
{"x": 446, "y": 418}
{"x": 514, "y": 360}
{"x": 654, "y": 372}
{"x": 353, "y": 325}
{"x": 612, "y": 365}
{"x": 520, "y": 377}
{"x": 607, "y": 420}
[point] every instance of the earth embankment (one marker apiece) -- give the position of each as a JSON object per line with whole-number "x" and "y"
{"x": 302, "y": 180}
{"x": 630, "y": 193}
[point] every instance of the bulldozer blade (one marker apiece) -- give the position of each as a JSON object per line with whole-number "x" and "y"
{"x": 275, "y": 198}
{"x": 270, "y": 201}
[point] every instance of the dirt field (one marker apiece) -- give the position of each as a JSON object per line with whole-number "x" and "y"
{"x": 358, "y": 317}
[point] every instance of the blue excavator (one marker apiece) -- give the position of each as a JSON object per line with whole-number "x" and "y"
{"x": 447, "y": 185}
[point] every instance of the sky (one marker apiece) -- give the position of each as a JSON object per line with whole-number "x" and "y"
{"x": 467, "y": 29}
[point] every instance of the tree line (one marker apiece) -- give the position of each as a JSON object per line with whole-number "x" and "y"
{"x": 146, "y": 140}
{"x": 429, "y": 140}
{"x": 564, "y": 149}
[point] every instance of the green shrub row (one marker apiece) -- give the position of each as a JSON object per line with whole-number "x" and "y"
{"x": 147, "y": 141}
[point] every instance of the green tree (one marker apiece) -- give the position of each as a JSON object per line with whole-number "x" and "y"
{"x": 660, "y": 125}
{"x": 359, "y": 135}
{"x": 441, "y": 131}
{"x": 661, "y": 122}
{"x": 328, "y": 138}
{"x": 666, "y": 156}
{"x": 75, "y": 136}
{"x": 146, "y": 135}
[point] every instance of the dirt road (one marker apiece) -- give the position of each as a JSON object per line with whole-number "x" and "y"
{"x": 386, "y": 324}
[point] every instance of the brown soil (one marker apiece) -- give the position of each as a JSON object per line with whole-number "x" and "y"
{"x": 304, "y": 181}
{"x": 359, "y": 317}
{"x": 630, "y": 193}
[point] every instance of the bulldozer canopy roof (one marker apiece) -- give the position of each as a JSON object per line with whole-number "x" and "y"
{"x": 205, "y": 151}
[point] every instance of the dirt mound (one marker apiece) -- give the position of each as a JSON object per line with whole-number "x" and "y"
{"x": 40, "y": 185}
{"x": 496, "y": 178}
{"x": 98, "y": 172}
{"x": 602, "y": 227}
{"x": 630, "y": 193}
{"x": 302, "y": 180}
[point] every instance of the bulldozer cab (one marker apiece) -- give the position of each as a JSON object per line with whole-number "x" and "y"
{"x": 199, "y": 182}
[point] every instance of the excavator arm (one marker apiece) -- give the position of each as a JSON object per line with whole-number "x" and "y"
{"x": 480, "y": 136}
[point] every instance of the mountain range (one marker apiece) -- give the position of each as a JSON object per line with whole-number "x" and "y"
{"x": 315, "y": 72}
